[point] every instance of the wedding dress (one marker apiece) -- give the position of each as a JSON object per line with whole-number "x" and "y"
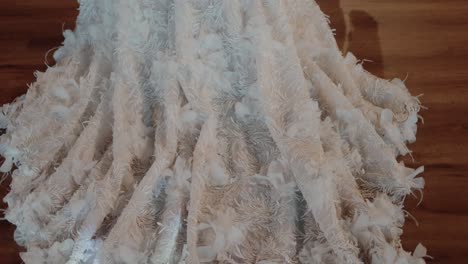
{"x": 208, "y": 131}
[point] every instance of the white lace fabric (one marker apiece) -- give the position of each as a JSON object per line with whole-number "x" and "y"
{"x": 208, "y": 131}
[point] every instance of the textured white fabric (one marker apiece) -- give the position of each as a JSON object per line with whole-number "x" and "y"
{"x": 208, "y": 131}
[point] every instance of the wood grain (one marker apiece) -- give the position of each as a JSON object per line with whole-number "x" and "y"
{"x": 422, "y": 40}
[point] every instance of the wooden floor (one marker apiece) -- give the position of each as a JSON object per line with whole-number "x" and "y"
{"x": 425, "y": 41}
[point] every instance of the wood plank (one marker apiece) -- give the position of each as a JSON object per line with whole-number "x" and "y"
{"x": 424, "y": 39}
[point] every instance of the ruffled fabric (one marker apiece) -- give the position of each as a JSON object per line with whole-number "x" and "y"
{"x": 208, "y": 131}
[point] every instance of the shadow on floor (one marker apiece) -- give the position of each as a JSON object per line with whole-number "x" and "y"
{"x": 364, "y": 42}
{"x": 356, "y": 31}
